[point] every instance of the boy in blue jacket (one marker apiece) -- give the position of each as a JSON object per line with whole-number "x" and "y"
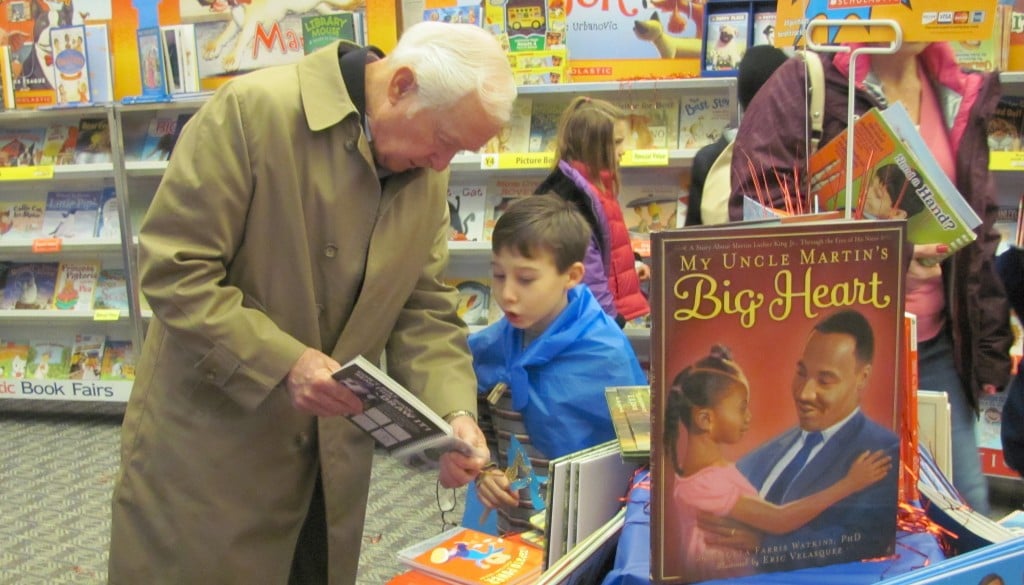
{"x": 554, "y": 351}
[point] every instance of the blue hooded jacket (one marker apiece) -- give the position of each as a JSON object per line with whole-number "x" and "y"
{"x": 558, "y": 381}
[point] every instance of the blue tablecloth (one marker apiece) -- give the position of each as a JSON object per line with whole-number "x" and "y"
{"x": 633, "y": 557}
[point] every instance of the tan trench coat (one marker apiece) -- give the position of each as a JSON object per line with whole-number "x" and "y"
{"x": 270, "y": 233}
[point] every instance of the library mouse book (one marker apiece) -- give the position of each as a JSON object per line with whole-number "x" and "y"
{"x": 775, "y": 354}
{"x": 463, "y": 555}
{"x": 396, "y": 419}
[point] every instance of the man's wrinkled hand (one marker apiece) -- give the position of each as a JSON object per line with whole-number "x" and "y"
{"x": 314, "y": 391}
{"x": 458, "y": 469}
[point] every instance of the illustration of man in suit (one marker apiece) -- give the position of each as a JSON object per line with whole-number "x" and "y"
{"x": 831, "y": 375}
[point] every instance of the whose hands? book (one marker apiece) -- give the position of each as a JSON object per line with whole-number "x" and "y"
{"x": 397, "y": 420}
{"x": 895, "y": 176}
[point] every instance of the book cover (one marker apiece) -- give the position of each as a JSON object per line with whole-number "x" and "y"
{"x": 108, "y": 225}
{"x": 152, "y": 67}
{"x": 762, "y": 335}
{"x": 895, "y": 176}
{"x": 467, "y": 208}
{"x": 934, "y": 428}
{"x": 396, "y": 419}
{"x": 515, "y": 135}
{"x": 763, "y": 27}
{"x": 703, "y": 116}
{"x": 6, "y": 222}
{"x": 13, "y": 359}
{"x": 72, "y": 214}
{"x": 637, "y": 401}
{"x": 227, "y": 49}
{"x": 75, "y": 286}
{"x": 111, "y": 290}
{"x": 48, "y": 360}
{"x": 609, "y": 41}
{"x": 320, "y": 30}
{"x": 6, "y": 78}
{"x": 990, "y": 443}
{"x": 413, "y": 577}
{"x": 86, "y": 357}
{"x": 20, "y": 147}
{"x": 70, "y": 65}
{"x": 474, "y": 300}
{"x": 59, "y": 144}
{"x": 26, "y": 219}
{"x": 992, "y": 52}
{"x": 647, "y": 208}
{"x": 98, "y": 55}
{"x": 118, "y": 361}
{"x": 503, "y": 193}
{"x": 653, "y": 123}
{"x": 725, "y": 41}
{"x": 159, "y": 141}
{"x": 466, "y": 556}
{"x": 1006, "y": 125}
{"x": 29, "y": 285}
{"x": 93, "y": 145}
{"x": 171, "y": 49}
{"x": 544, "y": 118}
{"x": 617, "y": 408}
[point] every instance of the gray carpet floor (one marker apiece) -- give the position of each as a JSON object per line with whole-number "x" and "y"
{"x": 57, "y": 466}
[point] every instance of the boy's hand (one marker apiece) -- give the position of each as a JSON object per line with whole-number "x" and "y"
{"x": 458, "y": 469}
{"x": 494, "y": 489}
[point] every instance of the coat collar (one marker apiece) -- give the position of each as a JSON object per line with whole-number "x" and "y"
{"x": 325, "y": 98}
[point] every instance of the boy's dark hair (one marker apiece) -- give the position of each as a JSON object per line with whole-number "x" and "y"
{"x": 543, "y": 223}
{"x": 896, "y": 184}
{"x": 699, "y": 385}
{"x": 852, "y": 323}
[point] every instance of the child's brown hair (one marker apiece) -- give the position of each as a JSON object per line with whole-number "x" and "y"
{"x": 586, "y": 134}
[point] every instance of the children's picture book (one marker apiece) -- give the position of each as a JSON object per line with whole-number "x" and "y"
{"x": 118, "y": 361}
{"x": 93, "y": 145}
{"x": 647, "y": 208}
{"x": 21, "y": 147}
{"x": 895, "y": 176}
{"x": 475, "y": 305}
{"x": 70, "y": 65}
{"x": 98, "y": 55}
{"x": 725, "y": 41}
{"x": 86, "y": 357}
{"x": 152, "y": 67}
{"x": 763, "y": 27}
{"x": 72, "y": 214}
{"x": 59, "y": 144}
{"x": 630, "y": 407}
{"x": 653, "y": 123}
{"x": 990, "y": 443}
{"x": 26, "y": 219}
{"x": 48, "y": 360}
{"x": 467, "y": 207}
{"x": 159, "y": 141}
{"x": 469, "y": 557}
{"x": 1006, "y": 125}
{"x": 29, "y": 286}
{"x": 75, "y": 286}
{"x": 108, "y": 224}
{"x": 544, "y": 118}
{"x": 172, "y": 59}
{"x": 934, "y": 429}
{"x": 320, "y": 30}
{"x": 703, "y": 116}
{"x": 515, "y": 135}
{"x": 499, "y": 196}
{"x": 397, "y": 420}
{"x": 13, "y": 359}
{"x": 6, "y": 78}
{"x": 111, "y": 290}
{"x": 775, "y": 397}
{"x": 229, "y": 49}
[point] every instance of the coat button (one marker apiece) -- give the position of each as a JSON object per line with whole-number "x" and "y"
{"x": 350, "y": 145}
{"x": 330, "y": 250}
{"x": 302, "y": 440}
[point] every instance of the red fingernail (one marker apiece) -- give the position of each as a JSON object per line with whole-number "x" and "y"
{"x": 942, "y": 248}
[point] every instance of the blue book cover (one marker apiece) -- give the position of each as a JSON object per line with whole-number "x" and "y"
{"x": 97, "y": 49}
{"x": 151, "y": 62}
{"x": 29, "y": 286}
{"x": 71, "y": 214}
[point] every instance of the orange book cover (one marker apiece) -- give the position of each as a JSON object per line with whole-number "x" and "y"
{"x": 775, "y": 354}
{"x": 413, "y": 577}
{"x": 463, "y": 555}
{"x": 908, "y": 447}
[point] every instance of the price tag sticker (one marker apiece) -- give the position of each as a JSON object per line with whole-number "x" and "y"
{"x": 46, "y": 245}
{"x": 655, "y": 157}
{"x": 517, "y": 160}
{"x": 27, "y": 173}
{"x": 106, "y": 314}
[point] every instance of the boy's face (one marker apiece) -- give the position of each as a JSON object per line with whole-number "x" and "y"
{"x": 531, "y": 291}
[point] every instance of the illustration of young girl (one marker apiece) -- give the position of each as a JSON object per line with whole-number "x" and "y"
{"x": 591, "y": 140}
{"x": 889, "y": 195}
{"x": 706, "y": 408}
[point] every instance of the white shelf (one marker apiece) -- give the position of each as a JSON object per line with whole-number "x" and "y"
{"x": 83, "y": 171}
{"x": 85, "y": 246}
{"x": 66, "y": 390}
{"x": 28, "y": 318}
{"x": 457, "y": 248}
{"x": 145, "y": 168}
